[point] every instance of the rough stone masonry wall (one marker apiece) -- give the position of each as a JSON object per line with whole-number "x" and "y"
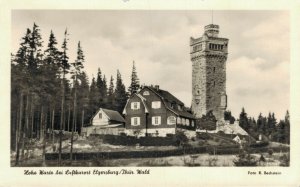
{"x": 216, "y": 84}
{"x": 199, "y": 78}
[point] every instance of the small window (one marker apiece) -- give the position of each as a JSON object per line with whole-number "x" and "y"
{"x": 135, "y": 121}
{"x": 187, "y": 122}
{"x": 171, "y": 120}
{"x": 180, "y": 107}
{"x": 146, "y": 93}
{"x": 156, "y": 104}
{"x": 156, "y": 120}
{"x": 214, "y": 69}
{"x": 214, "y": 83}
{"x": 193, "y": 123}
{"x": 100, "y": 115}
{"x": 135, "y": 105}
{"x": 178, "y": 120}
{"x": 172, "y": 105}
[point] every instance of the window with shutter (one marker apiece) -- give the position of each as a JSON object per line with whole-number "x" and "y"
{"x": 135, "y": 105}
{"x": 156, "y": 120}
{"x": 135, "y": 121}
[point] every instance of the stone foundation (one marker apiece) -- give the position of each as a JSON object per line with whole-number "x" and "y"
{"x": 158, "y": 132}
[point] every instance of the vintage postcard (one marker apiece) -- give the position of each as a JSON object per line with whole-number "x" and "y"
{"x": 128, "y": 93}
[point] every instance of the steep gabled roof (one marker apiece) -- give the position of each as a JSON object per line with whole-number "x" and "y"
{"x": 167, "y": 97}
{"x": 111, "y": 114}
{"x": 142, "y": 99}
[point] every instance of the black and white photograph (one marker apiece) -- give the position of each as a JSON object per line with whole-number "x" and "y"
{"x": 150, "y": 93}
{"x": 118, "y": 88}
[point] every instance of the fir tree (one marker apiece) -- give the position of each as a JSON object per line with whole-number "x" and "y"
{"x": 135, "y": 84}
{"x": 63, "y": 67}
{"x": 93, "y": 99}
{"x": 99, "y": 83}
{"x": 120, "y": 94}
{"x": 244, "y": 120}
{"x": 104, "y": 92}
{"x": 111, "y": 94}
{"x": 77, "y": 66}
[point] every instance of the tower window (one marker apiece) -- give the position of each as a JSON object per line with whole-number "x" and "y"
{"x": 214, "y": 69}
{"x": 214, "y": 83}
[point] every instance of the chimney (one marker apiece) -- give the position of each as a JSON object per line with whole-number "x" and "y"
{"x": 156, "y": 87}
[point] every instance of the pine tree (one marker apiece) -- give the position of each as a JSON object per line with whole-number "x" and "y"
{"x": 111, "y": 94}
{"x": 120, "y": 94}
{"x": 104, "y": 92}
{"x": 244, "y": 120}
{"x": 100, "y": 86}
{"x": 83, "y": 97}
{"x": 135, "y": 84}
{"x": 21, "y": 87}
{"x": 93, "y": 99}
{"x": 271, "y": 124}
{"x": 76, "y": 72}
{"x": 63, "y": 67}
{"x": 287, "y": 127}
{"x": 35, "y": 49}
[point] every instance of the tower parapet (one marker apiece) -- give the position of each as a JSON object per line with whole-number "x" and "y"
{"x": 208, "y": 56}
{"x": 211, "y": 30}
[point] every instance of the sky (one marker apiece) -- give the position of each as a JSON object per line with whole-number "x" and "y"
{"x": 258, "y": 77}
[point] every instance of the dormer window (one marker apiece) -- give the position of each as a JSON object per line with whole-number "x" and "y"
{"x": 173, "y": 105}
{"x": 180, "y": 107}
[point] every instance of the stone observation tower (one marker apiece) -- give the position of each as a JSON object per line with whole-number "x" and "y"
{"x": 208, "y": 56}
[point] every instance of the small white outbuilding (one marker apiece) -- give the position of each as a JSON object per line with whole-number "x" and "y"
{"x": 105, "y": 121}
{"x": 106, "y": 117}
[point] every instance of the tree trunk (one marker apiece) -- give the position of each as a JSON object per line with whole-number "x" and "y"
{"x": 74, "y": 121}
{"x": 52, "y": 125}
{"x": 44, "y": 138}
{"x": 82, "y": 121}
{"x": 24, "y": 138}
{"x": 37, "y": 128}
{"x": 69, "y": 116}
{"x": 42, "y": 124}
{"x": 32, "y": 118}
{"x": 20, "y": 130}
{"x": 61, "y": 120}
{"x": 17, "y": 131}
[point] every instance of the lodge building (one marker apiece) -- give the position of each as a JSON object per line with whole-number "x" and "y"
{"x": 156, "y": 112}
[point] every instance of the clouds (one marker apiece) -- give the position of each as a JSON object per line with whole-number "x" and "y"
{"x": 158, "y": 41}
{"x": 256, "y": 89}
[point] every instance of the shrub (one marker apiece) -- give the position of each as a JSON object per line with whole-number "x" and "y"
{"x": 245, "y": 159}
{"x": 202, "y": 136}
{"x": 260, "y": 144}
{"x": 181, "y": 138}
{"x": 270, "y": 151}
{"x": 284, "y": 160}
{"x": 262, "y": 158}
